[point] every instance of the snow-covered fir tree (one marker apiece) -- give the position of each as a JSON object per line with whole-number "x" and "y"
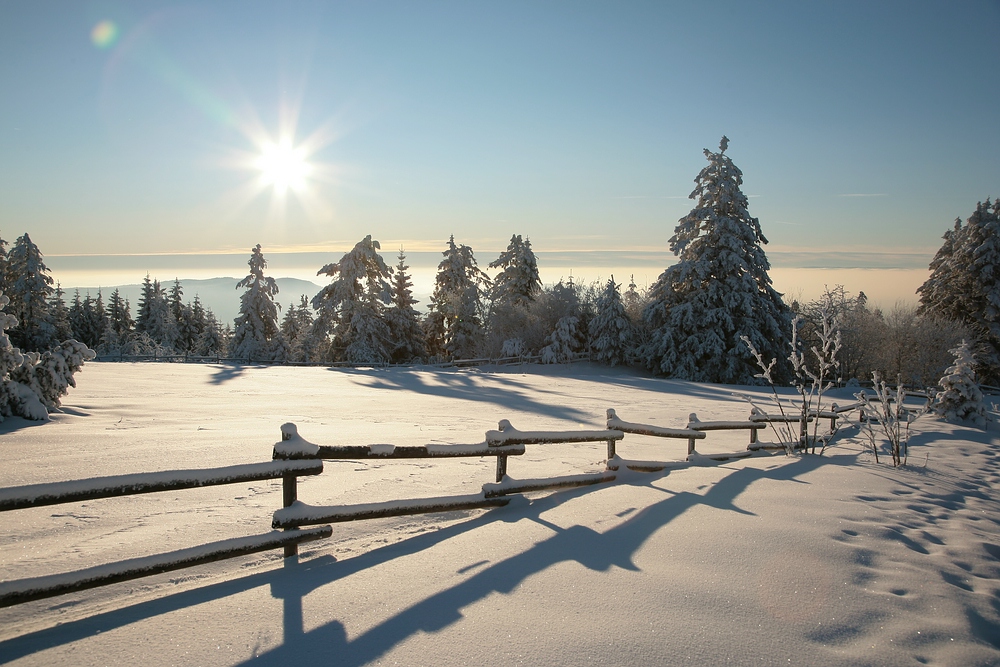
{"x": 144, "y": 309}
{"x": 405, "y": 330}
{"x": 563, "y": 342}
{"x": 515, "y": 290}
{"x": 610, "y": 329}
{"x": 454, "y": 324}
{"x": 632, "y": 300}
{"x": 296, "y": 328}
{"x": 32, "y": 383}
{"x": 213, "y": 340}
{"x": 964, "y": 285}
{"x": 961, "y": 399}
{"x": 256, "y": 335}
{"x": 62, "y": 329}
{"x": 153, "y": 316}
{"x": 120, "y": 323}
{"x": 940, "y": 292}
{"x": 518, "y": 283}
{"x": 87, "y": 319}
{"x": 189, "y": 328}
{"x": 353, "y": 306}
{"x": 29, "y": 288}
{"x": 718, "y": 291}
{"x": 292, "y": 331}
{"x": 174, "y": 300}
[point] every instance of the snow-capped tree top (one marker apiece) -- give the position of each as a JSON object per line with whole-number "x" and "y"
{"x": 402, "y": 295}
{"x": 459, "y": 269}
{"x": 360, "y": 272}
{"x": 519, "y": 282}
{"x": 256, "y": 280}
{"x": 721, "y": 217}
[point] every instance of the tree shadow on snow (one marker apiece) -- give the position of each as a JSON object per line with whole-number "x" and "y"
{"x": 13, "y": 424}
{"x": 504, "y": 391}
{"x": 596, "y": 551}
{"x": 222, "y": 374}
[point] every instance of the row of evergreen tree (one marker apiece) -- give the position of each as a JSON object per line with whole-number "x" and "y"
{"x": 689, "y": 324}
{"x": 163, "y": 324}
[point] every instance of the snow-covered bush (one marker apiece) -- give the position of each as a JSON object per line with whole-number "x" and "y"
{"x": 563, "y": 341}
{"x": 513, "y": 347}
{"x": 813, "y": 376}
{"x": 960, "y": 398}
{"x": 887, "y": 410}
{"x": 32, "y": 383}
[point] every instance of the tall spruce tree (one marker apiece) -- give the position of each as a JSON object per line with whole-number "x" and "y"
{"x": 119, "y": 320}
{"x": 718, "y": 291}
{"x": 454, "y": 324}
{"x": 405, "y": 332}
{"x": 518, "y": 283}
{"x": 29, "y": 288}
{"x": 352, "y": 306}
{"x": 213, "y": 340}
{"x": 63, "y": 330}
{"x": 611, "y": 337}
{"x": 256, "y": 335}
{"x": 964, "y": 285}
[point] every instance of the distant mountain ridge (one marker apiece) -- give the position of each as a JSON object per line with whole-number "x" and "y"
{"x": 219, "y": 294}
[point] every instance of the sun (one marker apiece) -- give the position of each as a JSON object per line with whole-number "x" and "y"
{"x": 283, "y": 166}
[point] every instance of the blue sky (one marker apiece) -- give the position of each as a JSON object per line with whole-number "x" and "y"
{"x": 862, "y": 128}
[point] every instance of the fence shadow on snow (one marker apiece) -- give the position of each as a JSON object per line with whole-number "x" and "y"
{"x": 595, "y": 551}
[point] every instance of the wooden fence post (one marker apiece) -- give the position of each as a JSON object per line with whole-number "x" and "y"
{"x": 501, "y": 467}
{"x": 610, "y": 414}
{"x": 289, "y": 494}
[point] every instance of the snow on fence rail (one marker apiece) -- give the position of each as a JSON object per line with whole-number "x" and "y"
{"x": 57, "y": 493}
{"x": 37, "y": 495}
{"x": 501, "y": 444}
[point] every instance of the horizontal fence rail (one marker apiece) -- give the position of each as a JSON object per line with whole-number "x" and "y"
{"x": 57, "y": 493}
{"x": 301, "y": 514}
{"x": 38, "y": 588}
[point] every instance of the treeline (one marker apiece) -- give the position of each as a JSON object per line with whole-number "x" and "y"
{"x": 163, "y": 323}
{"x": 691, "y": 324}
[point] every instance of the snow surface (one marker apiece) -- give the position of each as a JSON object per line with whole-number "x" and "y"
{"x": 831, "y": 560}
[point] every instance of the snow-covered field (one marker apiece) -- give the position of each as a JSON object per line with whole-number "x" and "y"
{"x": 769, "y": 560}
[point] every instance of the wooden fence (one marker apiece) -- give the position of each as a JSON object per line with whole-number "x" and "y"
{"x": 294, "y": 457}
{"x": 38, "y": 495}
{"x": 219, "y": 359}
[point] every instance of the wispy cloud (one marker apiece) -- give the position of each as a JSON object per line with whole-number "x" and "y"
{"x": 651, "y": 197}
{"x": 865, "y": 194}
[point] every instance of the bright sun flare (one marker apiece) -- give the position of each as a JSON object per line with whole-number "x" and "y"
{"x": 283, "y": 166}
